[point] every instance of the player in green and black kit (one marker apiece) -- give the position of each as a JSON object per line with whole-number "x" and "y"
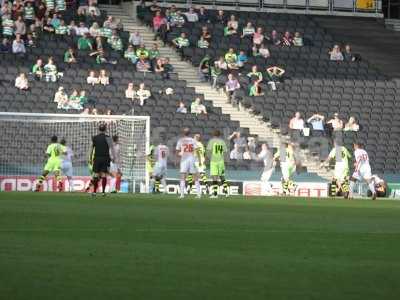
{"x": 216, "y": 150}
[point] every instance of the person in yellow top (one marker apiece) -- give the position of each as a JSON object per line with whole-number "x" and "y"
{"x": 54, "y": 153}
{"x": 288, "y": 167}
{"x": 231, "y": 59}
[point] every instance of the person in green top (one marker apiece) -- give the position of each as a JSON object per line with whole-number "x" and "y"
{"x": 130, "y": 54}
{"x": 115, "y": 42}
{"x": 83, "y": 99}
{"x": 203, "y": 43}
{"x": 288, "y": 167}
{"x": 181, "y": 41}
{"x": 200, "y": 164}
{"x": 216, "y": 151}
{"x": 142, "y": 52}
{"x": 231, "y": 59}
{"x": 255, "y": 75}
{"x": 340, "y": 181}
{"x": 69, "y": 56}
{"x": 255, "y": 90}
{"x": 62, "y": 29}
{"x": 154, "y": 52}
{"x": 37, "y": 69}
{"x": 54, "y": 154}
{"x": 84, "y": 43}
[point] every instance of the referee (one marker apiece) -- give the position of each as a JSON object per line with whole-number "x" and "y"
{"x": 101, "y": 150}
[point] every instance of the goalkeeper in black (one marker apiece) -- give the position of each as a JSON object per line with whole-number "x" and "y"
{"x": 101, "y": 155}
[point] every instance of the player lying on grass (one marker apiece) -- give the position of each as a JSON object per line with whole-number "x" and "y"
{"x": 186, "y": 150}
{"x": 340, "y": 180}
{"x": 54, "y": 154}
{"x": 115, "y": 166}
{"x": 216, "y": 151}
{"x": 161, "y": 153}
{"x": 66, "y": 164}
{"x": 288, "y": 167}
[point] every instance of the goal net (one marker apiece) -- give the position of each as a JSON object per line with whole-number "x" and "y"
{"x": 24, "y": 138}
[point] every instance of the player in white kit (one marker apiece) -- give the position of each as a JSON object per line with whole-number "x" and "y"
{"x": 266, "y": 156}
{"x": 187, "y": 150}
{"x": 161, "y": 153}
{"x": 115, "y": 166}
{"x": 66, "y": 164}
{"x": 362, "y": 171}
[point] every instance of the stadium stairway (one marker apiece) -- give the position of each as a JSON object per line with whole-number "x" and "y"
{"x": 187, "y": 72}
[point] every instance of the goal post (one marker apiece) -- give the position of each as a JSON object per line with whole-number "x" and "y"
{"x": 25, "y": 136}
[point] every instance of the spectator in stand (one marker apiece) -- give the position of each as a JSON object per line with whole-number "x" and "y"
{"x": 297, "y": 122}
{"x": 287, "y": 40}
{"x": 50, "y": 70}
{"x": 177, "y": 20}
{"x": 348, "y": 55}
{"x": 130, "y": 54}
{"x": 236, "y": 154}
{"x": 191, "y": 15}
{"x": 143, "y": 65}
{"x": 37, "y": 69}
{"x": 181, "y": 42}
{"x": 98, "y": 43}
{"x": 254, "y": 75}
{"x": 29, "y": 13}
{"x": 181, "y": 108}
{"x": 168, "y": 68}
{"x": 336, "y": 123}
{"x": 62, "y": 29}
{"x": 160, "y": 27}
{"x": 142, "y": 52}
{"x": 20, "y": 27}
{"x": 275, "y": 40}
{"x": 84, "y": 43}
{"x": 130, "y": 92}
{"x": 104, "y": 79}
{"x": 202, "y": 43}
{"x": 154, "y": 6}
{"x": 94, "y": 30}
{"x": 30, "y": 42}
{"x": 298, "y": 40}
{"x": 336, "y": 54}
{"x": 216, "y": 73}
{"x": 241, "y": 59}
{"x": 111, "y": 23}
{"x": 205, "y": 34}
{"x": 255, "y": 90}
{"x": 8, "y": 28}
{"x": 203, "y": 15}
{"x": 21, "y": 82}
{"x": 220, "y": 17}
{"x": 159, "y": 66}
{"x": 221, "y": 64}
{"x": 264, "y": 52}
{"x": 317, "y": 124}
{"x": 352, "y": 125}
{"x": 101, "y": 58}
{"x": 92, "y": 18}
{"x": 258, "y": 37}
{"x": 5, "y": 46}
{"x": 73, "y": 100}
{"x": 82, "y": 30}
{"x": 93, "y": 9}
{"x": 154, "y": 52}
{"x": 231, "y": 26}
{"x": 197, "y": 107}
{"x": 61, "y": 98}
{"x": 135, "y": 39}
{"x": 231, "y": 86}
{"x": 83, "y": 99}
{"x": 248, "y": 31}
{"x": 231, "y": 59}
{"x": 142, "y": 94}
{"x": 92, "y": 78}
{"x": 48, "y": 27}
{"x": 115, "y": 42}
{"x": 80, "y": 16}
{"x": 18, "y": 46}
{"x": 72, "y": 28}
{"x": 275, "y": 74}
{"x": 247, "y": 155}
{"x": 69, "y": 56}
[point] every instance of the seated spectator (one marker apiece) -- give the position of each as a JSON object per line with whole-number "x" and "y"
{"x": 264, "y": 52}
{"x": 159, "y": 67}
{"x": 143, "y": 66}
{"x": 18, "y": 46}
{"x": 21, "y": 82}
{"x": 101, "y": 58}
{"x": 231, "y": 26}
{"x": 111, "y": 23}
{"x": 130, "y": 92}
{"x": 254, "y": 75}
{"x": 317, "y": 123}
{"x": 104, "y": 79}
{"x": 143, "y": 94}
{"x": 86, "y": 111}
{"x": 94, "y": 30}
{"x": 255, "y": 90}
{"x": 197, "y": 108}
{"x": 69, "y": 56}
{"x": 231, "y": 86}
{"x": 216, "y": 73}
{"x": 55, "y": 21}
{"x": 130, "y": 54}
{"x": 298, "y": 40}
{"x": 248, "y": 31}
{"x": 8, "y": 27}
{"x": 202, "y": 43}
{"x": 336, "y": 123}
{"x": 205, "y": 34}
{"x": 37, "y": 69}
{"x": 115, "y": 42}
{"x": 348, "y": 55}
{"x": 48, "y": 27}
{"x": 92, "y": 78}
{"x": 142, "y": 52}
{"x": 287, "y": 40}
{"x": 83, "y": 99}
{"x": 275, "y": 40}
{"x": 5, "y": 46}
{"x": 50, "y": 70}
{"x": 154, "y": 6}
{"x": 168, "y": 68}
{"x": 247, "y": 155}
{"x": 241, "y": 59}
{"x": 231, "y": 59}
{"x": 98, "y": 43}
{"x": 236, "y": 153}
{"x": 297, "y": 122}
{"x": 19, "y": 26}
{"x": 221, "y": 64}
{"x": 60, "y": 6}
{"x": 154, "y": 53}
{"x": 181, "y": 41}
{"x": 29, "y": 13}
{"x": 181, "y": 108}
{"x": 251, "y": 144}
{"x": 203, "y": 15}
{"x": 352, "y": 125}
{"x": 158, "y": 22}
{"x": 191, "y": 15}
{"x": 30, "y": 42}
{"x": 220, "y": 18}
{"x": 177, "y": 20}
{"x": 62, "y": 29}
{"x": 72, "y": 28}
{"x": 275, "y": 75}
{"x": 84, "y": 43}
{"x": 336, "y": 54}
{"x": 73, "y": 100}
{"x": 93, "y": 9}
{"x": 135, "y": 39}
{"x": 82, "y": 30}
{"x": 258, "y": 37}
{"x": 61, "y": 98}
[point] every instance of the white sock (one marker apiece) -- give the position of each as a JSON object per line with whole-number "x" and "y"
{"x": 372, "y": 187}
{"x": 198, "y": 187}
{"x": 164, "y": 184}
{"x": 183, "y": 187}
{"x": 351, "y": 188}
{"x": 112, "y": 183}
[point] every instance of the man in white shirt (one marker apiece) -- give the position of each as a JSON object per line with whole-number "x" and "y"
{"x": 296, "y": 122}
{"x": 362, "y": 171}
{"x": 336, "y": 122}
{"x": 266, "y": 156}
{"x": 66, "y": 164}
{"x": 82, "y": 29}
{"x": 186, "y": 149}
{"x": 236, "y": 153}
{"x": 161, "y": 153}
{"x": 191, "y": 15}
{"x": 115, "y": 166}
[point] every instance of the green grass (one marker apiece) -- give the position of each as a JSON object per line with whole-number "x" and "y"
{"x": 69, "y": 246}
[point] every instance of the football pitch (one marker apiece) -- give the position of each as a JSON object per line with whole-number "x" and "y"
{"x": 70, "y": 246}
